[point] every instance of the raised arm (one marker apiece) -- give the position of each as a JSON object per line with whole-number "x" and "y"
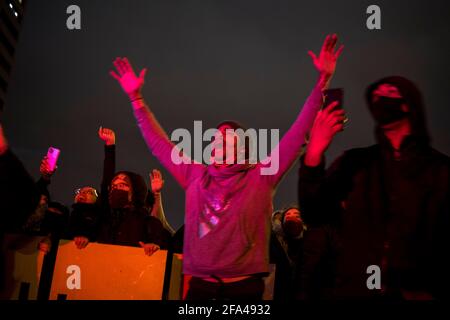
{"x": 109, "y": 163}
{"x": 320, "y": 191}
{"x": 157, "y": 183}
{"x": 156, "y": 138}
{"x": 46, "y": 175}
{"x": 290, "y": 146}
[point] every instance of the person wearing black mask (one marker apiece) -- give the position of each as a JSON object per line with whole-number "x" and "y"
{"x": 127, "y": 221}
{"x": 388, "y": 202}
{"x": 123, "y": 217}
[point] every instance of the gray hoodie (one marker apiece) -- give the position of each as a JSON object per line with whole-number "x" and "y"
{"x": 233, "y": 204}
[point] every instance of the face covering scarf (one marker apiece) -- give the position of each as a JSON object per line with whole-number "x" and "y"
{"x": 388, "y": 110}
{"x": 118, "y": 199}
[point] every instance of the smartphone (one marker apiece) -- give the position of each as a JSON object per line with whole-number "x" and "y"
{"x": 52, "y": 157}
{"x": 332, "y": 95}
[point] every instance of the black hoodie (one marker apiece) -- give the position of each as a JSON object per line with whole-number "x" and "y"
{"x": 84, "y": 220}
{"x": 390, "y": 212}
{"x": 413, "y": 99}
{"x": 131, "y": 225}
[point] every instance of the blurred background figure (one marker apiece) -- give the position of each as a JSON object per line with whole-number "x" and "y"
{"x": 286, "y": 244}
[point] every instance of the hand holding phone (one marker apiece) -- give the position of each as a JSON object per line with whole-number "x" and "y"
{"x": 332, "y": 95}
{"x": 52, "y": 158}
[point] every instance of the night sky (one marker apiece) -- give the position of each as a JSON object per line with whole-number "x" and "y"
{"x": 210, "y": 61}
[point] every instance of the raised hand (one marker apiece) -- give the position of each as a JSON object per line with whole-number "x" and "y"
{"x": 149, "y": 248}
{"x": 156, "y": 181}
{"x": 107, "y": 135}
{"x": 125, "y": 75}
{"x": 45, "y": 169}
{"x": 327, "y": 124}
{"x": 325, "y": 63}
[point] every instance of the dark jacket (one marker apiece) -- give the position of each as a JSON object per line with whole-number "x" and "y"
{"x": 284, "y": 272}
{"x": 389, "y": 212}
{"x": 56, "y": 220}
{"x": 127, "y": 226}
{"x": 19, "y": 195}
{"x": 84, "y": 220}
{"x": 316, "y": 269}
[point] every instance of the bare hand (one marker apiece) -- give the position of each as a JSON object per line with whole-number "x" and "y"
{"x": 149, "y": 248}
{"x": 81, "y": 242}
{"x": 156, "y": 181}
{"x": 325, "y": 63}
{"x": 327, "y": 124}
{"x": 130, "y": 83}
{"x": 107, "y": 135}
{"x": 45, "y": 169}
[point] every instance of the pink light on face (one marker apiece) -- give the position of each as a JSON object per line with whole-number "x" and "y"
{"x": 386, "y": 90}
{"x": 86, "y": 195}
{"x": 121, "y": 182}
{"x": 292, "y": 215}
{"x": 224, "y": 146}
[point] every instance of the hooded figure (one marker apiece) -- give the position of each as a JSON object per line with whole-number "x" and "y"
{"x": 413, "y": 98}
{"x": 286, "y": 244}
{"x": 390, "y": 205}
{"x": 125, "y": 220}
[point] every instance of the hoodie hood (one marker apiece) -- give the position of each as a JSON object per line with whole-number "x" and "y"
{"x": 413, "y": 98}
{"x": 138, "y": 188}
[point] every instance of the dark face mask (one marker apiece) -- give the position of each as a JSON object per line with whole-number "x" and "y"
{"x": 388, "y": 110}
{"x": 292, "y": 228}
{"x": 118, "y": 199}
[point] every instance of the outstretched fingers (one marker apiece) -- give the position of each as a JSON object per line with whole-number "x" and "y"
{"x": 325, "y": 44}
{"x": 114, "y": 75}
{"x": 143, "y": 73}
{"x": 313, "y": 56}
{"x": 127, "y": 65}
{"x": 119, "y": 66}
{"x": 339, "y": 51}
{"x": 333, "y": 42}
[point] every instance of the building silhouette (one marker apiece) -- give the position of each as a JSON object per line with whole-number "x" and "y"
{"x": 11, "y": 16}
